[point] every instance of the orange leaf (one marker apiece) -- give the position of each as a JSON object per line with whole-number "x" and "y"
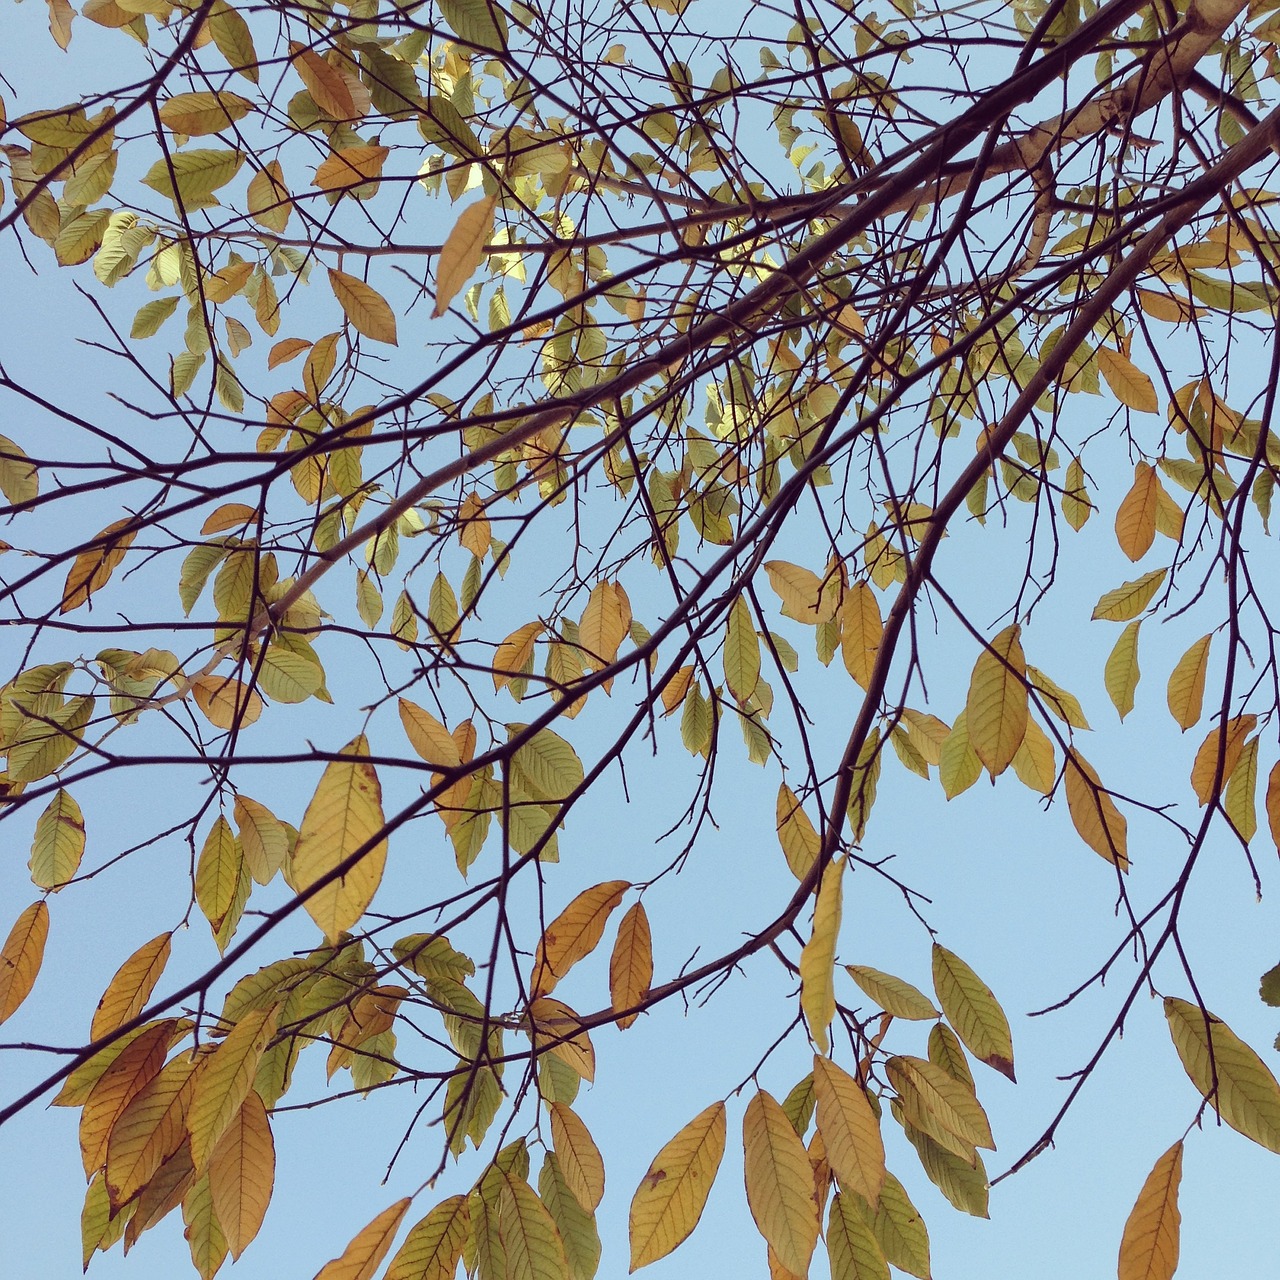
{"x": 1149, "y": 1247}
{"x": 631, "y": 964}
{"x": 575, "y": 933}
{"x": 1101, "y": 825}
{"x": 21, "y": 956}
{"x": 93, "y": 568}
{"x": 464, "y": 250}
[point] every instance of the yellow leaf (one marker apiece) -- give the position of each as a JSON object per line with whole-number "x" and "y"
{"x": 1205, "y": 769}
{"x": 364, "y": 306}
{"x": 324, "y": 83}
{"x": 218, "y": 873}
{"x": 231, "y": 515}
{"x": 21, "y": 956}
{"x": 575, "y": 933}
{"x": 133, "y": 1069}
{"x": 1238, "y": 803}
{"x": 224, "y": 1079}
{"x": 241, "y": 1174}
{"x": 263, "y": 838}
{"x": 284, "y": 351}
{"x": 973, "y": 1010}
{"x": 996, "y": 709}
{"x": 360, "y": 1259}
{"x": 1129, "y": 600}
{"x": 817, "y": 960}
{"x": 630, "y": 964}
{"x": 741, "y": 652}
{"x": 351, "y": 167}
{"x": 605, "y": 624}
{"x": 801, "y": 593}
{"x": 958, "y": 764}
{"x": 514, "y": 654}
{"x": 1101, "y": 825}
{"x": 128, "y": 991}
{"x": 779, "y": 1183}
{"x": 202, "y": 1229}
{"x": 797, "y": 835}
{"x": 892, "y": 994}
{"x": 1273, "y": 804}
{"x": 861, "y": 630}
{"x": 198, "y": 114}
{"x": 1186, "y": 683}
{"x": 268, "y": 199}
{"x": 58, "y": 844}
{"x": 1149, "y": 1247}
{"x": 1128, "y": 383}
{"x": 552, "y": 1020}
{"x": 850, "y": 1130}
{"x": 92, "y": 569}
{"x": 851, "y": 1243}
{"x": 344, "y": 815}
{"x": 1034, "y": 762}
{"x": 939, "y": 1105}
{"x": 464, "y": 250}
{"x": 578, "y": 1155}
{"x": 1121, "y": 674}
{"x": 1136, "y": 517}
{"x": 226, "y": 703}
{"x": 1235, "y": 1080}
{"x": 530, "y": 1241}
{"x": 672, "y": 1194}
{"x": 1076, "y": 506}
{"x": 150, "y": 1130}
{"x": 434, "y": 1245}
{"x": 428, "y": 737}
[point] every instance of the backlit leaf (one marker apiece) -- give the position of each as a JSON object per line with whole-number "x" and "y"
{"x": 996, "y": 709}
{"x": 364, "y": 306}
{"x": 855, "y": 1253}
{"x": 579, "y": 1156}
{"x": 892, "y": 994}
{"x": 150, "y": 1130}
{"x": 263, "y": 838}
{"x": 964, "y": 1184}
{"x": 92, "y": 569}
{"x": 672, "y": 1194}
{"x": 576, "y": 1225}
{"x": 605, "y": 624}
{"x": 973, "y": 1011}
{"x": 801, "y": 593}
{"x": 1236, "y": 1081}
{"x": 198, "y": 114}
{"x": 464, "y": 250}
{"x": 21, "y": 956}
{"x": 575, "y": 933}
{"x": 900, "y": 1230}
{"x": 59, "y": 840}
{"x": 1099, "y": 822}
{"x": 817, "y": 960}
{"x": 741, "y": 652}
{"x": 224, "y": 1079}
{"x": 958, "y": 764}
{"x": 1128, "y": 601}
{"x": 1208, "y": 773}
{"x": 241, "y": 1174}
{"x": 1186, "y": 683}
{"x": 1121, "y": 673}
{"x": 861, "y": 630}
{"x": 130, "y": 1072}
{"x": 433, "y": 1247}
{"x": 226, "y": 703}
{"x": 850, "y": 1130}
{"x": 361, "y": 1258}
{"x": 1128, "y": 383}
{"x": 1035, "y": 763}
{"x": 940, "y": 1105}
{"x": 530, "y": 1240}
{"x": 344, "y": 815}
{"x": 1136, "y": 517}
{"x": 1149, "y": 1247}
{"x": 779, "y": 1183}
{"x": 631, "y": 964}
{"x": 128, "y": 991}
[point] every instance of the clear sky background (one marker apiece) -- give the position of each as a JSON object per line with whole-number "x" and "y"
{"x": 1013, "y": 891}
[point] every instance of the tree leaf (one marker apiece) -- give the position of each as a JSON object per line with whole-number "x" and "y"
{"x": 364, "y": 306}
{"x": 201, "y": 113}
{"x": 817, "y": 960}
{"x": 800, "y": 842}
{"x": 58, "y": 844}
{"x": 1128, "y": 383}
{"x": 605, "y": 623}
{"x": 1130, "y": 600}
{"x": 129, "y": 1073}
{"x": 223, "y": 1081}
{"x": 242, "y": 1173}
{"x": 576, "y": 1225}
{"x": 964, "y": 1184}
{"x": 855, "y": 1253}
{"x": 129, "y": 990}
{"x": 263, "y": 838}
{"x": 1136, "y": 517}
{"x": 1121, "y": 673}
{"x": 1236, "y": 1081}
{"x": 204, "y": 1234}
{"x": 996, "y": 709}
{"x": 464, "y": 250}
{"x": 900, "y": 1230}
{"x": 150, "y": 1130}
{"x": 1206, "y": 780}
{"x": 21, "y": 956}
{"x": 672, "y": 1194}
{"x": 1149, "y": 1247}
{"x": 973, "y": 1011}
{"x": 344, "y": 815}
{"x": 325, "y": 83}
{"x": 1186, "y": 683}
{"x": 861, "y": 630}
{"x": 575, "y": 933}
{"x": 630, "y": 964}
{"x": 578, "y": 1155}
{"x": 360, "y": 1259}
{"x": 850, "y": 1130}
{"x": 741, "y": 652}
{"x": 434, "y": 1245}
{"x": 779, "y": 1183}
{"x": 530, "y": 1240}
{"x": 92, "y": 569}
{"x": 938, "y": 1104}
{"x": 226, "y": 703}
{"x": 892, "y": 994}
{"x": 801, "y": 593}
{"x": 1100, "y": 824}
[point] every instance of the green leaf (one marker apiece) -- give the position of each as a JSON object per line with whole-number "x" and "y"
{"x": 197, "y": 173}
{"x": 1130, "y": 600}
{"x": 59, "y": 842}
{"x": 973, "y": 1011}
{"x": 477, "y": 22}
{"x": 892, "y": 994}
{"x": 1226, "y": 1071}
{"x": 851, "y": 1244}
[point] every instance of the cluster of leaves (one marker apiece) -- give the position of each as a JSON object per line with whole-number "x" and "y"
{"x": 643, "y": 234}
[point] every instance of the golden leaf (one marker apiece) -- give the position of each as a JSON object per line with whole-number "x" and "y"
{"x": 1186, "y": 683}
{"x": 226, "y": 703}
{"x": 1205, "y": 769}
{"x": 779, "y": 1183}
{"x": 128, "y": 991}
{"x": 575, "y": 933}
{"x": 92, "y": 569}
{"x": 1099, "y": 822}
{"x": 364, "y": 306}
{"x": 223, "y": 1080}
{"x": 1149, "y": 1247}
{"x": 817, "y": 960}
{"x": 861, "y": 630}
{"x": 631, "y": 964}
{"x": 464, "y": 250}
{"x": 850, "y": 1130}
{"x": 241, "y": 1174}
{"x": 1128, "y": 383}
{"x": 579, "y": 1156}
{"x": 1136, "y": 516}
{"x": 672, "y": 1194}
{"x": 361, "y": 1258}
{"x": 21, "y": 956}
